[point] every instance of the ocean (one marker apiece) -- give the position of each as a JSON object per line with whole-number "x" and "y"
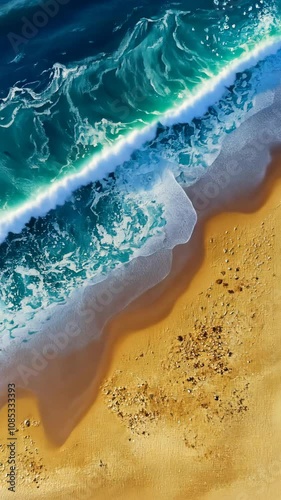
{"x": 108, "y": 111}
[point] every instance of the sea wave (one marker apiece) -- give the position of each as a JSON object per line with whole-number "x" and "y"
{"x": 106, "y": 161}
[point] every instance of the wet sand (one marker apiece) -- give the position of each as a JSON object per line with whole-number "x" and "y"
{"x": 187, "y": 400}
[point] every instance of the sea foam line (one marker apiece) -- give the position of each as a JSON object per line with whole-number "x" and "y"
{"x": 106, "y": 162}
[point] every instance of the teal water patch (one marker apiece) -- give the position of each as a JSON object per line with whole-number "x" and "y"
{"x": 102, "y": 228}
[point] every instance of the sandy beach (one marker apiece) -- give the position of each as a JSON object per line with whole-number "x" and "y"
{"x": 186, "y": 402}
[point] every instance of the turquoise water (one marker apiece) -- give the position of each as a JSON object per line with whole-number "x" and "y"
{"x": 93, "y": 75}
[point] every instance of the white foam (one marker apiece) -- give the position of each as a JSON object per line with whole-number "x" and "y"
{"x": 132, "y": 279}
{"x": 106, "y": 162}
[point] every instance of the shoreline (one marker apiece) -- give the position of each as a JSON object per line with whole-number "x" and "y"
{"x": 143, "y": 339}
{"x": 154, "y": 305}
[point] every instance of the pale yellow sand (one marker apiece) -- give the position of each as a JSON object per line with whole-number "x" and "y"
{"x": 190, "y": 407}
